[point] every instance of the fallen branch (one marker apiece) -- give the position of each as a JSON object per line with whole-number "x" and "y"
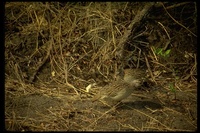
{"x": 135, "y": 23}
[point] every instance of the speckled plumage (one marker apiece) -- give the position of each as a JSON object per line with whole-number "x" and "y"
{"x": 122, "y": 88}
{"x": 132, "y": 74}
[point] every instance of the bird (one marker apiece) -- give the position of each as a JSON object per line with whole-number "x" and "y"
{"x": 118, "y": 91}
{"x": 122, "y": 88}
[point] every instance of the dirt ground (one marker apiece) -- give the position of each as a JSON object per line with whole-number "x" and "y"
{"x": 148, "y": 109}
{"x": 56, "y": 52}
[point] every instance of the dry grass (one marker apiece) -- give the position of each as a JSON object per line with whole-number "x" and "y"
{"x": 58, "y": 49}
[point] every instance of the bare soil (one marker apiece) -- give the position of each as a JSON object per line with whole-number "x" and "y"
{"x": 148, "y": 109}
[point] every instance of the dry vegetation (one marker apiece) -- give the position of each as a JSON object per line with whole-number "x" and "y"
{"x": 53, "y": 51}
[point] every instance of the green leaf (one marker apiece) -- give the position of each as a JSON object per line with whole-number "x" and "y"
{"x": 159, "y": 51}
{"x": 166, "y": 54}
{"x": 171, "y": 87}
